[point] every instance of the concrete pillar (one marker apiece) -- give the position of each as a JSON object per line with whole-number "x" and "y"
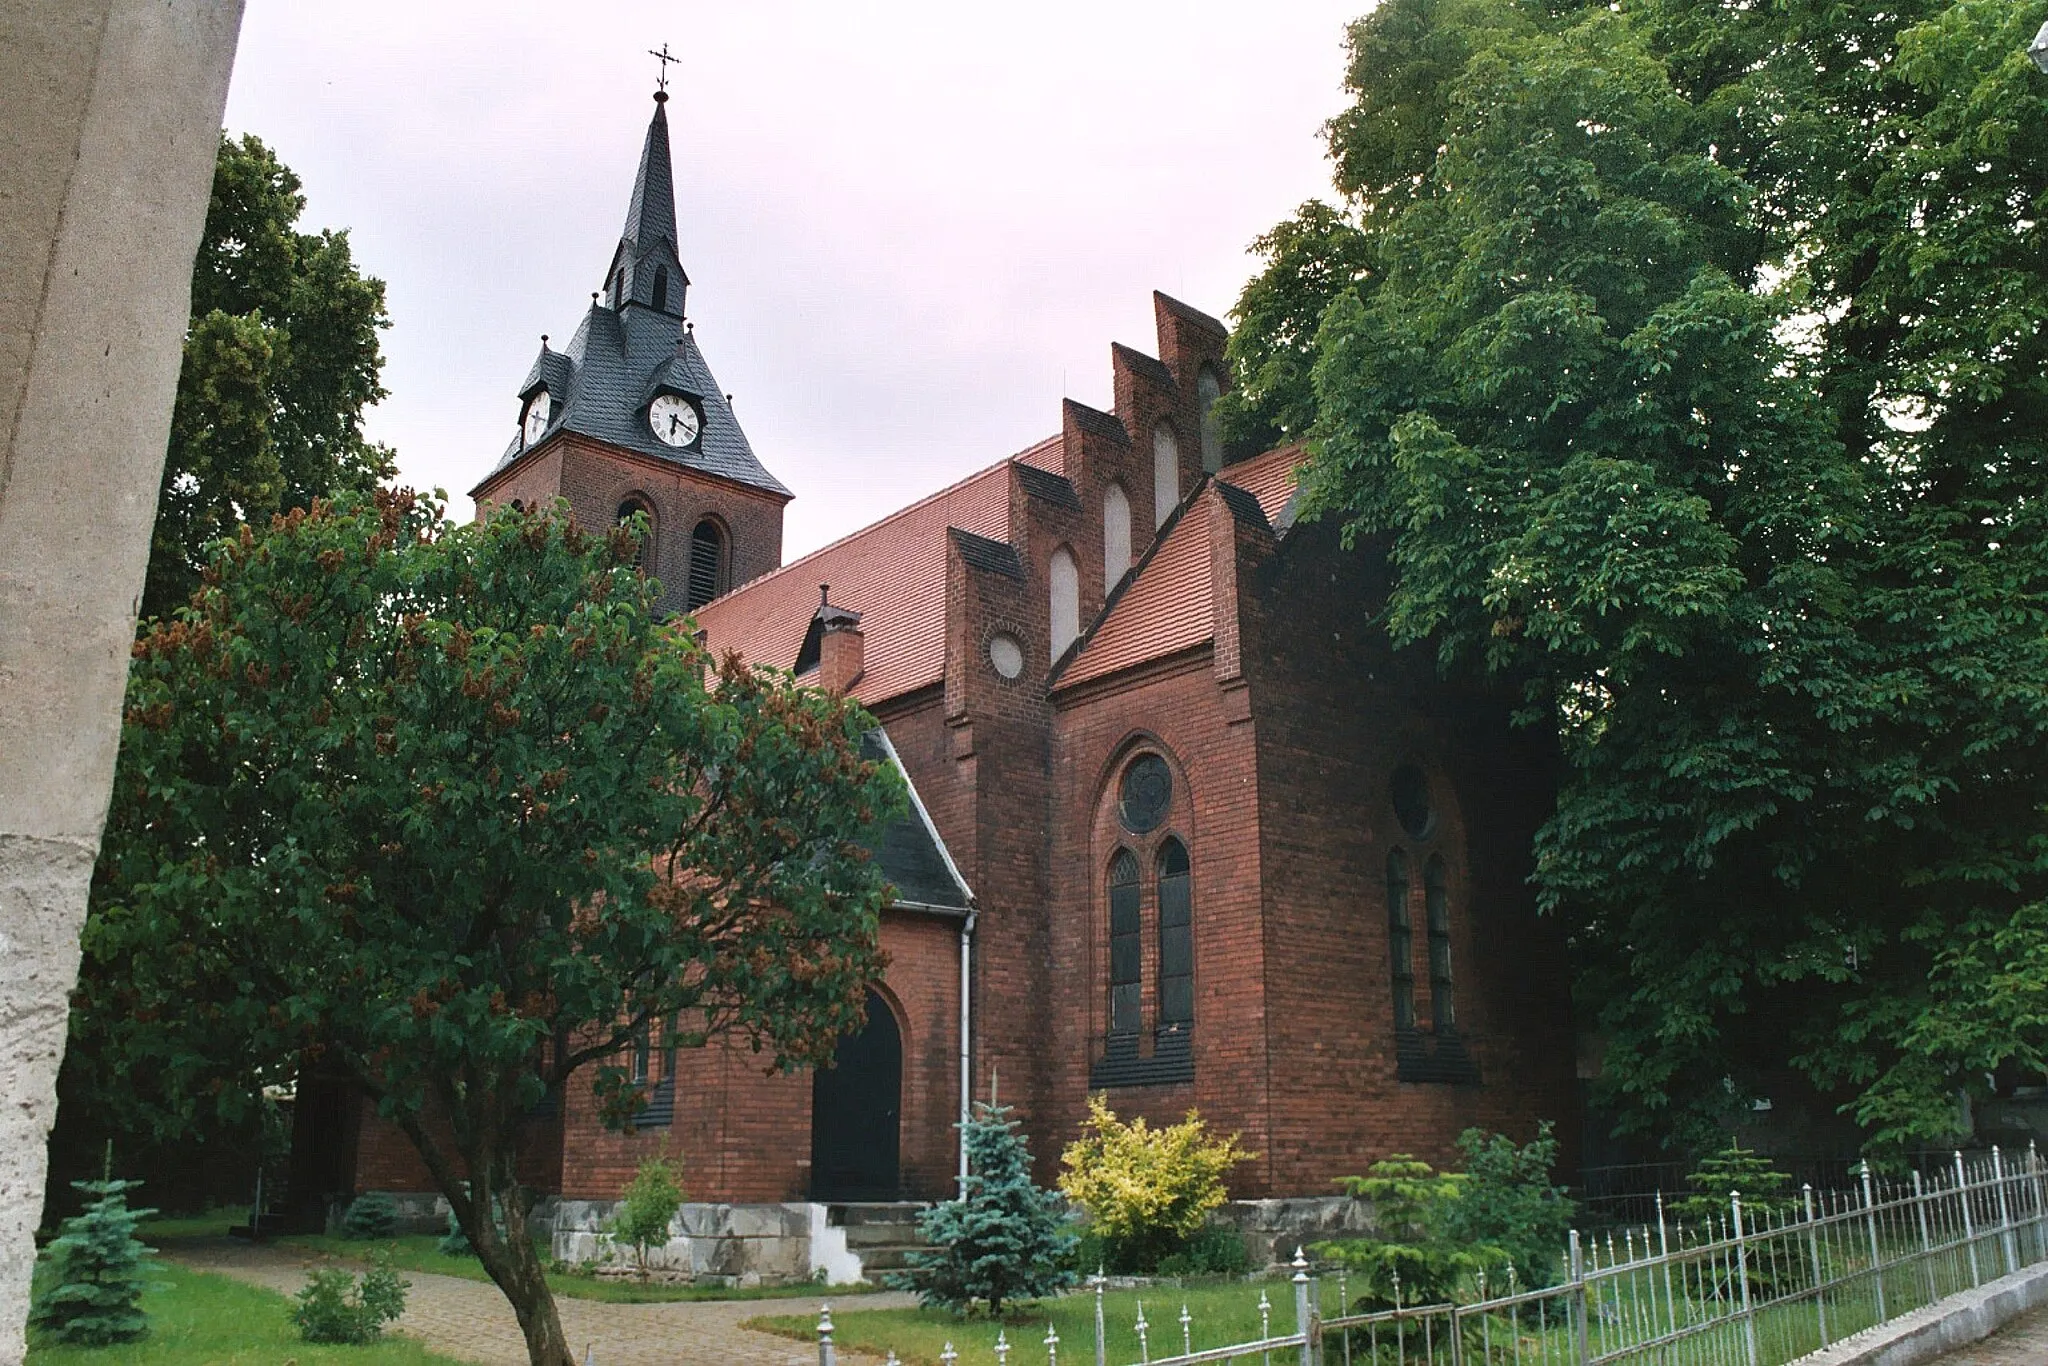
{"x": 110, "y": 124}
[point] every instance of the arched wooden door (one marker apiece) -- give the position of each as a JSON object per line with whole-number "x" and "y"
{"x": 856, "y": 1106}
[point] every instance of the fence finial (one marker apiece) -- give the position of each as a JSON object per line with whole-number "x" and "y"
{"x": 1002, "y": 1348}
{"x": 827, "y": 1355}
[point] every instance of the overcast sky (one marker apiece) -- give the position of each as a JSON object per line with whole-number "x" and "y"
{"x": 910, "y": 227}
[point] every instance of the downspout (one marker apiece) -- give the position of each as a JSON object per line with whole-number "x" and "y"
{"x": 966, "y": 1036}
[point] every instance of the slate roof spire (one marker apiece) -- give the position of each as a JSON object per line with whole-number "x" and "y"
{"x": 651, "y": 216}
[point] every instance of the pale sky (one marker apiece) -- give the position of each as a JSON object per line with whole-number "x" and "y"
{"x": 910, "y": 228}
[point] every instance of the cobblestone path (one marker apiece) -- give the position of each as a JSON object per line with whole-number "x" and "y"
{"x": 2023, "y": 1342}
{"x": 470, "y": 1320}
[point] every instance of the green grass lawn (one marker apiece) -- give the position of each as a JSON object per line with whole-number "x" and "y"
{"x": 197, "y": 1319}
{"x": 1220, "y": 1314}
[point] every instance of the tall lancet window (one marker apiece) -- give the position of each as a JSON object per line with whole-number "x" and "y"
{"x": 1176, "y": 940}
{"x": 1124, "y": 951}
{"x": 1165, "y": 474}
{"x": 1436, "y": 905}
{"x": 1116, "y": 535}
{"x": 1207, "y": 390}
{"x": 1065, "y": 588}
{"x": 1400, "y": 941}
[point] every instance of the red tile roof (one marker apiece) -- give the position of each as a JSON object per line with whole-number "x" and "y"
{"x": 1271, "y": 478}
{"x": 1170, "y": 605}
{"x": 893, "y": 573}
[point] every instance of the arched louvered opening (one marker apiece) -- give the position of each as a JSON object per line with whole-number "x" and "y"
{"x": 1165, "y": 474}
{"x": 707, "y": 564}
{"x": 1436, "y": 905}
{"x": 637, "y": 507}
{"x": 1116, "y": 536}
{"x": 1400, "y": 941}
{"x": 1176, "y": 939}
{"x": 1124, "y": 951}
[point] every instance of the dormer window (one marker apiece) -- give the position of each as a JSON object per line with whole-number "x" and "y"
{"x": 661, "y": 289}
{"x": 619, "y": 288}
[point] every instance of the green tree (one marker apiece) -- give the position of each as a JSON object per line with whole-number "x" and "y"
{"x": 645, "y": 1212}
{"x": 1001, "y": 1242}
{"x": 1412, "y": 1260}
{"x": 1738, "y": 1172}
{"x": 449, "y": 806}
{"x": 98, "y": 1271}
{"x": 1694, "y": 388}
{"x": 1508, "y": 1202}
{"x": 281, "y": 358}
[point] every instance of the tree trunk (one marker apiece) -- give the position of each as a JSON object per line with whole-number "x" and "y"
{"x": 508, "y": 1258}
{"x": 515, "y": 1266}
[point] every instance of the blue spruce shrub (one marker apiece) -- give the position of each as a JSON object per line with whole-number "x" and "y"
{"x": 1004, "y": 1241}
{"x": 100, "y": 1270}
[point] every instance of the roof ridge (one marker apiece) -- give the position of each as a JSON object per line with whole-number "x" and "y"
{"x": 878, "y": 523}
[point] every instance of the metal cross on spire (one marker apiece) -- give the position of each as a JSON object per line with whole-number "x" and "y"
{"x": 664, "y": 58}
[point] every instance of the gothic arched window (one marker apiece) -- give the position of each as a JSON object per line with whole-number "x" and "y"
{"x": 1400, "y": 941}
{"x": 1116, "y": 536}
{"x": 707, "y": 564}
{"x": 1165, "y": 474}
{"x": 1065, "y": 588}
{"x": 1176, "y": 939}
{"x": 1207, "y": 390}
{"x": 637, "y": 507}
{"x": 660, "y": 289}
{"x": 1436, "y": 905}
{"x": 1124, "y": 953}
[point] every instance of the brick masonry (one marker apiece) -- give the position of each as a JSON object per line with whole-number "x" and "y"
{"x": 1282, "y": 730}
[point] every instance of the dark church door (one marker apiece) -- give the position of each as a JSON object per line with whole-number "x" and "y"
{"x": 855, "y": 1105}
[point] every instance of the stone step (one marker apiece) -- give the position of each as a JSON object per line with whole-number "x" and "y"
{"x": 904, "y": 1212}
{"x": 859, "y": 1236}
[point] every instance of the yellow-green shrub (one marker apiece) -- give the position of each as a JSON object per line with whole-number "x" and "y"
{"x": 1146, "y": 1191}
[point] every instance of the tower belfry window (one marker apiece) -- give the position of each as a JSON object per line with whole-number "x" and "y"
{"x": 707, "y": 564}
{"x": 628, "y": 510}
{"x": 619, "y": 288}
{"x": 660, "y": 289}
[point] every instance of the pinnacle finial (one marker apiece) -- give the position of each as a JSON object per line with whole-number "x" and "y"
{"x": 661, "y": 83}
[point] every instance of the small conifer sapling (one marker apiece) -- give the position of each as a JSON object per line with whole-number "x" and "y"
{"x": 1002, "y": 1242}
{"x": 101, "y": 1269}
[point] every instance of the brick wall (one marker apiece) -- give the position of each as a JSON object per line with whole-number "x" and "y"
{"x": 597, "y": 479}
{"x": 1337, "y": 710}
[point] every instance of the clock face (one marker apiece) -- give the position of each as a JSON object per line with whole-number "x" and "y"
{"x": 674, "y": 419}
{"x": 537, "y": 409}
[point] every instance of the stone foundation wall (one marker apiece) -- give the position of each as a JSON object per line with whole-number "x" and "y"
{"x": 1273, "y": 1229}
{"x": 734, "y": 1245}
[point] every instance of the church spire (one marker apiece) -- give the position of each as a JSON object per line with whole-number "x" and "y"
{"x": 651, "y": 217}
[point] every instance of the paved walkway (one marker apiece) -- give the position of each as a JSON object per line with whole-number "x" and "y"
{"x": 2023, "y": 1342}
{"x": 471, "y": 1321}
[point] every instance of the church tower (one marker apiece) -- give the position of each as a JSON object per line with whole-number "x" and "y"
{"x": 628, "y": 419}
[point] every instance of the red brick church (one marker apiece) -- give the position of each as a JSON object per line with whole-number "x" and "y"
{"x": 1187, "y": 832}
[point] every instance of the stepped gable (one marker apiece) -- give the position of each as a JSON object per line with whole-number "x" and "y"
{"x": 893, "y": 573}
{"x": 1168, "y": 603}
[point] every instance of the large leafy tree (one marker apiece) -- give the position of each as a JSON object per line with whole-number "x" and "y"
{"x": 281, "y": 358}
{"x": 1686, "y": 361}
{"x": 450, "y": 809}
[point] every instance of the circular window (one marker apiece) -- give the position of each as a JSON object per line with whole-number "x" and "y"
{"x": 1411, "y": 802}
{"x": 1146, "y": 793}
{"x": 1006, "y": 655}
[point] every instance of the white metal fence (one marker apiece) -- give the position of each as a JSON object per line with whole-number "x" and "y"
{"x": 1751, "y": 1287}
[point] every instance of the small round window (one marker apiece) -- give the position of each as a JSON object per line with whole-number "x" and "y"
{"x": 1411, "y": 802}
{"x": 1146, "y": 793}
{"x": 1006, "y": 655}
